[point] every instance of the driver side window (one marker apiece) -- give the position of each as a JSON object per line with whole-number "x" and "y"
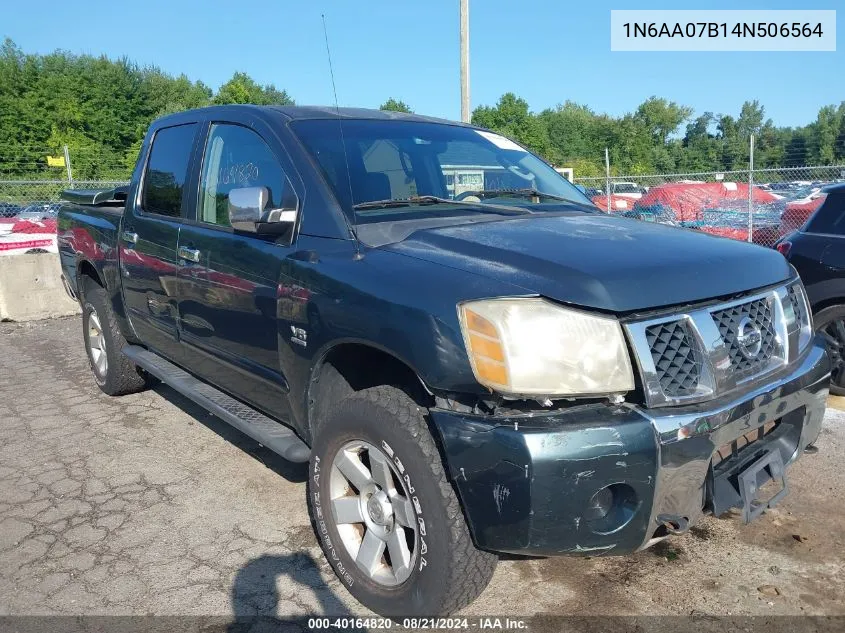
{"x": 237, "y": 157}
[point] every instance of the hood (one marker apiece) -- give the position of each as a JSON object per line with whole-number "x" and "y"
{"x": 600, "y": 261}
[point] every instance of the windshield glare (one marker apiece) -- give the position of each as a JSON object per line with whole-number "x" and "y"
{"x": 390, "y": 160}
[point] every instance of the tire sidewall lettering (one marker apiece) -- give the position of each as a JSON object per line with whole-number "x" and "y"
{"x": 423, "y": 547}
{"x": 323, "y": 529}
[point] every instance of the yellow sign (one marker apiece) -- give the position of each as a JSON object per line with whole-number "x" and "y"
{"x": 55, "y": 161}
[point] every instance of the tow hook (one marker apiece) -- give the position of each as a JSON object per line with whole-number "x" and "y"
{"x": 673, "y": 523}
{"x": 811, "y": 449}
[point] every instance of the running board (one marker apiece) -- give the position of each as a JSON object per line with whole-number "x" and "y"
{"x": 275, "y": 436}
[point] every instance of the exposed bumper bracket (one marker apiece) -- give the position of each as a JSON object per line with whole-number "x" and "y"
{"x": 770, "y": 466}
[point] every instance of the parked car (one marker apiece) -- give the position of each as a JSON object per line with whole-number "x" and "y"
{"x": 817, "y": 250}
{"x": 800, "y": 206}
{"x": 9, "y": 209}
{"x": 627, "y": 190}
{"x": 515, "y": 372}
{"x": 39, "y": 211}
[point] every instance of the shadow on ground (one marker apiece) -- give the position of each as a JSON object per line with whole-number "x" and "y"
{"x": 256, "y": 602}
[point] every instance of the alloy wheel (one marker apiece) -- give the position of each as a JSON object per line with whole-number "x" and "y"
{"x": 834, "y": 335}
{"x": 374, "y": 515}
{"x": 97, "y": 344}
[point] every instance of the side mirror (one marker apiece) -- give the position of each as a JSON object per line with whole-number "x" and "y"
{"x": 246, "y": 206}
{"x": 248, "y": 212}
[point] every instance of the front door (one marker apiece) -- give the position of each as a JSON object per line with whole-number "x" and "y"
{"x": 229, "y": 281}
{"x": 150, "y": 235}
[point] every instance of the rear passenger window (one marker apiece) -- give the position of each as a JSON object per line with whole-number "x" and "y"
{"x": 167, "y": 170}
{"x": 830, "y": 218}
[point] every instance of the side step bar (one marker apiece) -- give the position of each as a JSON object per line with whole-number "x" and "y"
{"x": 275, "y": 436}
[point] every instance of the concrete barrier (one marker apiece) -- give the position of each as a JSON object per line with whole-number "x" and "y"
{"x": 31, "y": 288}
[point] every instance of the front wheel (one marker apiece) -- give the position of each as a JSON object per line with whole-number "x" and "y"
{"x": 830, "y": 323}
{"x": 385, "y": 515}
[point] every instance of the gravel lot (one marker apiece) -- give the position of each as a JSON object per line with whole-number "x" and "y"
{"x": 148, "y": 505}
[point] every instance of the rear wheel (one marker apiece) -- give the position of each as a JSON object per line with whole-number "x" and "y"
{"x": 385, "y": 515}
{"x": 830, "y": 323}
{"x": 113, "y": 372}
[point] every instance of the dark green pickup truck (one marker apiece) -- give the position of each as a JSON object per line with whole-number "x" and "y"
{"x": 471, "y": 356}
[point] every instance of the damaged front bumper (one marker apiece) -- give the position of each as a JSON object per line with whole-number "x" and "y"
{"x": 529, "y": 483}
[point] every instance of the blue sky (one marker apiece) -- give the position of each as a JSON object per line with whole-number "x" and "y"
{"x": 546, "y": 51}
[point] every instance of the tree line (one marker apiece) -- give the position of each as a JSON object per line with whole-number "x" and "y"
{"x": 661, "y": 136}
{"x": 100, "y": 108}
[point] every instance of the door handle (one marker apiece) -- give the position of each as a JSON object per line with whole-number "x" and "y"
{"x": 189, "y": 254}
{"x": 130, "y": 238}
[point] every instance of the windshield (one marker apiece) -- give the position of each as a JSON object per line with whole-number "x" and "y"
{"x": 476, "y": 171}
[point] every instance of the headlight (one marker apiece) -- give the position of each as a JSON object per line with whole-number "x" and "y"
{"x": 530, "y": 346}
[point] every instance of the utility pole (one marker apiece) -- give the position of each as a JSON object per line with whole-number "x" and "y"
{"x": 67, "y": 164}
{"x": 751, "y": 190}
{"x": 465, "y": 113}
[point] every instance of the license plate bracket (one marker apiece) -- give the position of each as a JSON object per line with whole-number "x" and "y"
{"x": 767, "y": 468}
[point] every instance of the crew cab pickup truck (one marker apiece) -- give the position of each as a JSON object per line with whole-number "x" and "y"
{"x": 505, "y": 370}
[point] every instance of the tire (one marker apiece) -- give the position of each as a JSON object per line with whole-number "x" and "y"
{"x": 830, "y": 323}
{"x": 114, "y": 374}
{"x": 445, "y": 572}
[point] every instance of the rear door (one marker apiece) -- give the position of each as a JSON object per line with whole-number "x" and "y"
{"x": 229, "y": 281}
{"x": 150, "y": 235}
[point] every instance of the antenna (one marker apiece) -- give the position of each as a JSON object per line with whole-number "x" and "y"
{"x": 342, "y": 139}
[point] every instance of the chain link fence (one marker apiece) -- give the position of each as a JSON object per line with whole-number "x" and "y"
{"x": 758, "y": 205}
{"x": 31, "y": 181}
{"x": 33, "y": 176}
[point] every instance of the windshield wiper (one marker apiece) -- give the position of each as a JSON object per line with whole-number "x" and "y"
{"x": 430, "y": 200}
{"x": 527, "y": 192}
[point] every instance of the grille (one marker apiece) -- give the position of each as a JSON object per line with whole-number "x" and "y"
{"x": 695, "y": 355}
{"x": 728, "y": 321}
{"x": 676, "y": 359}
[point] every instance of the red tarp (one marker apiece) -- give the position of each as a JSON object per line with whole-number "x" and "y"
{"x": 618, "y": 204}
{"x": 687, "y": 200}
{"x": 35, "y": 226}
{"x": 797, "y": 213}
{"x": 765, "y": 236}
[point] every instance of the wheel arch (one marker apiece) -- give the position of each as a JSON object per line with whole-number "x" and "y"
{"x": 350, "y": 366}
{"x": 86, "y": 270}
{"x": 828, "y": 303}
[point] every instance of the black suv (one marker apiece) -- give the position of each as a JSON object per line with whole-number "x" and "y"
{"x": 817, "y": 251}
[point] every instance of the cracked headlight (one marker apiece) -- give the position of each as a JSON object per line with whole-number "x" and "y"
{"x": 530, "y": 346}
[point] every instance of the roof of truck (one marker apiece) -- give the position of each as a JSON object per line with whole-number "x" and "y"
{"x": 315, "y": 112}
{"x": 330, "y": 112}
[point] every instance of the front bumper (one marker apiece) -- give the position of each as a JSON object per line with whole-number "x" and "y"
{"x": 525, "y": 481}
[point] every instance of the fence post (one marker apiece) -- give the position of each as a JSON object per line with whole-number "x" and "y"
{"x": 67, "y": 164}
{"x": 607, "y": 172}
{"x": 751, "y": 190}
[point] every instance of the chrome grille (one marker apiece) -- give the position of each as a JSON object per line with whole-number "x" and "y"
{"x": 759, "y": 314}
{"x": 675, "y": 357}
{"x": 704, "y": 352}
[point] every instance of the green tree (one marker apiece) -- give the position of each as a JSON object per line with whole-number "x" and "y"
{"x": 242, "y": 88}
{"x": 512, "y": 118}
{"x": 396, "y": 106}
{"x": 661, "y": 117}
